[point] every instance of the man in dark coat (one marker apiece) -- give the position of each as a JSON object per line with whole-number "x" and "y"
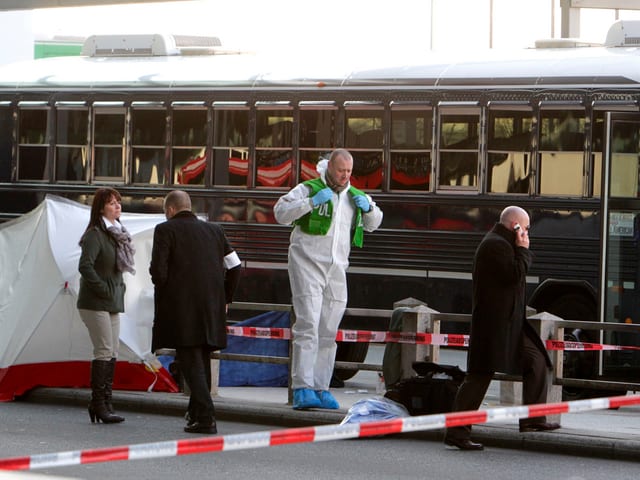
{"x": 195, "y": 272}
{"x": 502, "y": 340}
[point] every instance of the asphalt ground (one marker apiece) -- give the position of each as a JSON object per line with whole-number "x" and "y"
{"x": 609, "y": 433}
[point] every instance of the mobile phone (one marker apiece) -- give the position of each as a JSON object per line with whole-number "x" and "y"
{"x": 516, "y": 227}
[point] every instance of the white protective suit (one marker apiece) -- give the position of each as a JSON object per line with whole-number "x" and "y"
{"x": 317, "y": 274}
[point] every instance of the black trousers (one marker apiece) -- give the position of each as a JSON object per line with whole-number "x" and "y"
{"x": 475, "y": 385}
{"x": 195, "y": 366}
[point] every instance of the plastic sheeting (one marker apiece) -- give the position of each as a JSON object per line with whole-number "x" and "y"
{"x": 235, "y": 373}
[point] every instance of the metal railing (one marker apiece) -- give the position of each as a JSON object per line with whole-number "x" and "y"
{"x": 353, "y": 312}
{"x": 552, "y": 327}
{"x": 557, "y": 327}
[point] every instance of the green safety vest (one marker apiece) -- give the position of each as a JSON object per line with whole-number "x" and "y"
{"x": 318, "y": 220}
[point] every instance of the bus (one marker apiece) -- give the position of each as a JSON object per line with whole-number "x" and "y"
{"x": 442, "y": 144}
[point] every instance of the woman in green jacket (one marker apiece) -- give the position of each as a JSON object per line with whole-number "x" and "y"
{"x": 106, "y": 252}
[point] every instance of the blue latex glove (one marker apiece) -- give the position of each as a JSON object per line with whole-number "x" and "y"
{"x": 362, "y": 202}
{"x": 323, "y": 196}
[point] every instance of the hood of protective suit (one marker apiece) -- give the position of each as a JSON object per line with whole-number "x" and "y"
{"x": 321, "y": 168}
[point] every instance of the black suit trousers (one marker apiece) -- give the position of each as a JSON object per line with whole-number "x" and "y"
{"x": 195, "y": 366}
{"x": 475, "y": 385}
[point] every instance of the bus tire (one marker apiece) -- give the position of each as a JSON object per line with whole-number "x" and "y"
{"x": 577, "y": 365}
{"x": 582, "y": 365}
{"x": 574, "y": 306}
{"x": 350, "y": 352}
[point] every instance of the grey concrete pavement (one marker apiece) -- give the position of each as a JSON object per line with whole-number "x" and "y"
{"x": 600, "y": 433}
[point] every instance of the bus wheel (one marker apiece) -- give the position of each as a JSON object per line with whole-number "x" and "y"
{"x": 577, "y": 365}
{"x": 580, "y": 365}
{"x": 350, "y": 352}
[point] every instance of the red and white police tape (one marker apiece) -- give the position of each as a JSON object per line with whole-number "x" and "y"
{"x": 441, "y": 339}
{"x": 245, "y": 441}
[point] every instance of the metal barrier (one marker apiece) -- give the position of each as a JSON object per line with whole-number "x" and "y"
{"x": 552, "y": 327}
{"x": 267, "y": 307}
{"x": 417, "y": 317}
{"x": 354, "y": 312}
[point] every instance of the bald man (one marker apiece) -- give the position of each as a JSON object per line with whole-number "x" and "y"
{"x": 194, "y": 271}
{"x": 329, "y": 216}
{"x": 502, "y": 340}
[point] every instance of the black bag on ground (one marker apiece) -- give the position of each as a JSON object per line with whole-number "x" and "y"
{"x": 431, "y": 391}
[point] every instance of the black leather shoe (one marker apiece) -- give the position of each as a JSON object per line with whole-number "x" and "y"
{"x": 463, "y": 444}
{"x": 199, "y": 427}
{"x": 539, "y": 427}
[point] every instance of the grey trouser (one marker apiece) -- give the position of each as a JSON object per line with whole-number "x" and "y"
{"x": 104, "y": 331}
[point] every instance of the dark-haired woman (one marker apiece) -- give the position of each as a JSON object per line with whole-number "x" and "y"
{"x": 106, "y": 253}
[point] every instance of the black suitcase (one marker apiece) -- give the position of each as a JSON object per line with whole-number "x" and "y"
{"x": 432, "y": 390}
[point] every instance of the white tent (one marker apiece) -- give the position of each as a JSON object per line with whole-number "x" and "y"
{"x": 43, "y": 342}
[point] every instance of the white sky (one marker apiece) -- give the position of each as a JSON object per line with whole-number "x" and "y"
{"x": 343, "y": 27}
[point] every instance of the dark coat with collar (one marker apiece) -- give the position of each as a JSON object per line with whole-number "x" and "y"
{"x": 102, "y": 287}
{"x": 187, "y": 270}
{"x": 499, "y": 305}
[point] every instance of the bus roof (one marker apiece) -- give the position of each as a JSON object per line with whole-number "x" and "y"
{"x": 539, "y": 68}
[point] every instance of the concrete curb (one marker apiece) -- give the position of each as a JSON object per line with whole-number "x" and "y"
{"x": 568, "y": 441}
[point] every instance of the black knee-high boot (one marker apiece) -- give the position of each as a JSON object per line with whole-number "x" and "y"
{"x": 108, "y": 386}
{"x": 97, "y": 407}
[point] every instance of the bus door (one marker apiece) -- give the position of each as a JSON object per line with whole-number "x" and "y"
{"x": 620, "y": 258}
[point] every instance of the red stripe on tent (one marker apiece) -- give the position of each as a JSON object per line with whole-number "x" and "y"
{"x": 19, "y": 379}
{"x": 137, "y": 376}
{"x": 200, "y": 445}
{"x": 292, "y": 435}
{"x": 113, "y": 454}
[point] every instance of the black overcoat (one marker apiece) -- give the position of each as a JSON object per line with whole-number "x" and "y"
{"x": 187, "y": 270}
{"x": 499, "y": 305}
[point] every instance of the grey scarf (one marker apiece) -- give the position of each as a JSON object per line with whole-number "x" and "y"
{"x": 124, "y": 249}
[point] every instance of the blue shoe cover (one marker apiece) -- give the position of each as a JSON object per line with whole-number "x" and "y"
{"x": 327, "y": 400}
{"x": 305, "y": 398}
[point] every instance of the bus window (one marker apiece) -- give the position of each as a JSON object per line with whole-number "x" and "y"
{"x": 508, "y": 149}
{"x": 459, "y": 149}
{"x": 625, "y": 146}
{"x": 148, "y": 141}
{"x": 228, "y": 209}
{"x": 261, "y": 211}
{"x": 72, "y": 145}
{"x": 405, "y": 215}
{"x": 33, "y": 147}
{"x": 6, "y": 125}
{"x": 274, "y": 148}
{"x": 561, "y": 154}
{"x": 108, "y": 140}
{"x": 317, "y": 139}
{"x": 364, "y": 140}
{"x": 411, "y": 149}
{"x": 189, "y": 146}
{"x": 231, "y": 146}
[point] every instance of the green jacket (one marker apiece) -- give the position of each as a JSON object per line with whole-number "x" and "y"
{"x": 101, "y": 284}
{"x": 318, "y": 222}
